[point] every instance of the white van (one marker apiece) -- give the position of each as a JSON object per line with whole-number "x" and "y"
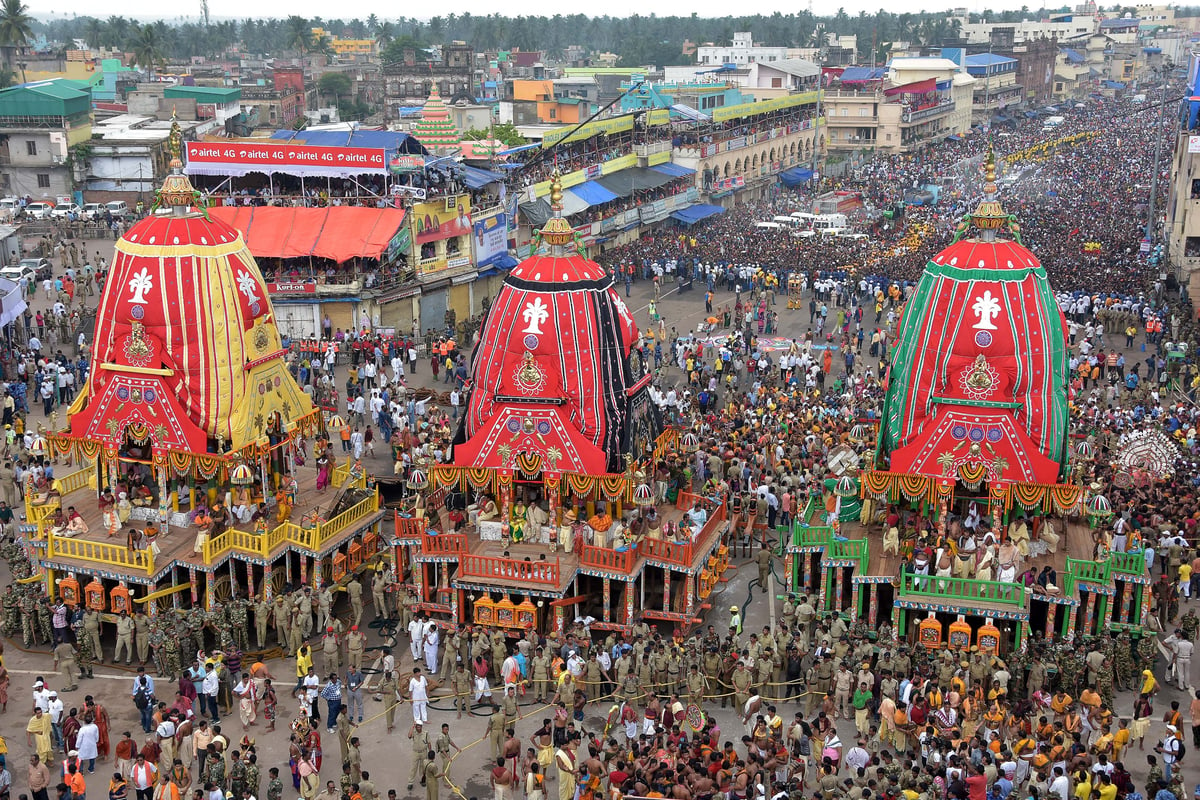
{"x": 769, "y": 225}
{"x": 789, "y": 221}
{"x": 1052, "y": 122}
{"x": 804, "y": 217}
{"x": 117, "y": 208}
{"x": 824, "y": 222}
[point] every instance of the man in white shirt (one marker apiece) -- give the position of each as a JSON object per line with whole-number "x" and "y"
{"x": 858, "y": 756}
{"x": 416, "y": 637}
{"x": 54, "y": 709}
{"x": 418, "y": 693}
{"x": 312, "y": 685}
{"x": 212, "y": 687}
{"x": 1060, "y": 786}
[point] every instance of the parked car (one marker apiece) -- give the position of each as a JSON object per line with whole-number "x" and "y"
{"x": 39, "y": 210}
{"x": 118, "y": 208}
{"x": 18, "y": 272}
{"x": 93, "y": 210}
{"x": 66, "y": 209}
{"x": 40, "y": 266}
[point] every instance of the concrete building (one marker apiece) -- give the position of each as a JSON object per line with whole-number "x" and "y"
{"x": 409, "y": 82}
{"x": 40, "y": 123}
{"x": 217, "y": 103}
{"x": 1182, "y": 207}
{"x": 743, "y": 50}
{"x": 996, "y": 87}
{"x": 128, "y": 157}
{"x": 914, "y": 103}
{"x": 1064, "y": 27}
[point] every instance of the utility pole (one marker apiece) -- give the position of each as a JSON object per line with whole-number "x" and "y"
{"x": 817, "y": 123}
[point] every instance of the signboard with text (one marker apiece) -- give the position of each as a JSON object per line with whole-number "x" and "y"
{"x": 303, "y": 160}
{"x": 491, "y": 240}
{"x": 293, "y": 287}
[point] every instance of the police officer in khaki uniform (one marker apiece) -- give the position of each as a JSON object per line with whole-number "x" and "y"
{"x": 460, "y": 685}
{"x": 330, "y": 651}
{"x": 124, "y": 638}
{"x": 356, "y": 643}
{"x": 420, "y": 751}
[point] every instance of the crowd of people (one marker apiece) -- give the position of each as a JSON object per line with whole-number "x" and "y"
{"x": 1057, "y": 720}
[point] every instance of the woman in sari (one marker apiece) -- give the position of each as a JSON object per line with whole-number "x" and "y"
{"x": 323, "y": 469}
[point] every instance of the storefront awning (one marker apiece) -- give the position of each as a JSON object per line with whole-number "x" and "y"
{"x": 637, "y": 179}
{"x": 339, "y": 233}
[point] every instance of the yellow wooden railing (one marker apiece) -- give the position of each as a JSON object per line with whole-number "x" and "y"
{"x": 262, "y": 545}
{"x": 74, "y": 481}
{"x": 117, "y": 555}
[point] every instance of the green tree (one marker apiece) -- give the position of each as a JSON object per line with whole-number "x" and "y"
{"x": 297, "y": 35}
{"x": 147, "y": 49}
{"x": 394, "y": 52}
{"x": 16, "y": 26}
{"x": 505, "y": 132}
{"x": 334, "y": 84}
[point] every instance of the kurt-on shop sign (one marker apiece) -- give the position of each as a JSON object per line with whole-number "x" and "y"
{"x": 293, "y": 287}
{"x": 238, "y": 158}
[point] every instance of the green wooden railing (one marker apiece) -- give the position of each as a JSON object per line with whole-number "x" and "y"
{"x": 849, "y": 550}
{"x": 1128, "y": 563}
{"x": 961, "y": 589}
{"x": 1090, "y": 571}
{"x": 807, "y": 534}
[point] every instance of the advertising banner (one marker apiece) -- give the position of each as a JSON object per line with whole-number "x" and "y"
{"x": 443, "y": 219}
{"x": 241, "y": 158}
{"x": 491, "y": 240}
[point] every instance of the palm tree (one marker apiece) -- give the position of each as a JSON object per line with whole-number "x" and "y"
{"x": 92, "y": 32}
{"x": 147, "y": 48}
{"x": 384, "y": 34}
{"x": 297, "y": 35}
{"x": 372, "y": 22}
{"x": 16, "y": 26}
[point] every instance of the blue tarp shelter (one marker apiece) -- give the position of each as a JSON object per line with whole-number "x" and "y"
{"x": 795, "y": 176}
{"x": 694, "y": 213}
{"x": 592, "y": 193}
{"x": 674, "y": 170}
{"x": 392, "y": 141}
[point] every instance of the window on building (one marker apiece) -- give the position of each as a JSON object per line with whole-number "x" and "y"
{"x": 43, "y": 179}
{"x": 864, "y": 112}
{"x": 1196, "y": 189}
{"x": 453, "y": 246}
{"x": 1191, "y": 247}
{"x": 776, "y": 83}
{"x": 30, "y": 147}
{"x": 553, "y": 113}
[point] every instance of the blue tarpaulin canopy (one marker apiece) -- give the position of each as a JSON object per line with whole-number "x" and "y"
{"x": 392, "y": 141}
{"x": 795, "y": 176}
{"x": 1113, "y": 85}
{"x": 687, "y": 112}
{"x": 477, "y": 178}
{"x": 1073, "y": 56}
{"x": 862, "y": 74}
{"x": 674, "y": 170}
{"x": 694, "y": 213}
{"x": 592, "y": 193}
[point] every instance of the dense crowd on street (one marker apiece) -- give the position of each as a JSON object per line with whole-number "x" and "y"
{"x": 1057, "y": 720}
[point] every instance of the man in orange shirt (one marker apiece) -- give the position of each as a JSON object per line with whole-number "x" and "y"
{"x": 166, "y": 788}
{"x": 75, "y": 782}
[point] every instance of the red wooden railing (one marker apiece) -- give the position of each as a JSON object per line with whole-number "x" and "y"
{"x": 606, "y": 558}
{"x": 508, "y": 569}
{"x": 444, "y": 544}
{"x": 662, "y": 550}
{"x": 682, "y": 554}
{"x": 409, "y": 527}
